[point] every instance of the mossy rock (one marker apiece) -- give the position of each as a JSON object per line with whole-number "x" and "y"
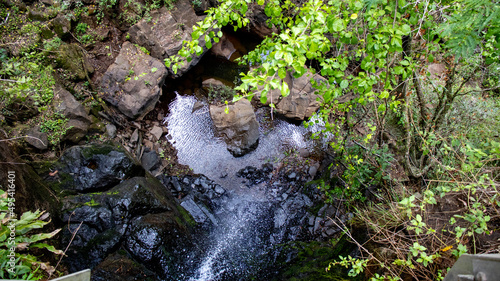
{"x": 71, "y": 58}
{"x": 311, "y": 259}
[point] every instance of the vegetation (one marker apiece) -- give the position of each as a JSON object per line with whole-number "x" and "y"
{"x": 16, "y": 238}
{"x": 386, "y": 110}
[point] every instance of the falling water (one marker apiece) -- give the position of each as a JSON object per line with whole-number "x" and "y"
{"x": 238, "y": 247}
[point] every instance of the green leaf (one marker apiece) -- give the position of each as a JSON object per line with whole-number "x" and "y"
{"x": 48, "y": 247}
{"x": 284, "y": 89}
{"x": 406, "y": 29}
{"x": 344, "y": 84}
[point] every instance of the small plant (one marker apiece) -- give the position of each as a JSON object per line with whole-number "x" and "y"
{"x": 17, "y": 243}
{"x": 196, "y": 3}
{"x": 81, "y": 28}
{"x": 222, "y": 93}
{"x": 56, "y": 127}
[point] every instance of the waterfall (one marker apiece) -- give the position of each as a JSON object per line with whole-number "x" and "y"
{"x": 249, "y": 223}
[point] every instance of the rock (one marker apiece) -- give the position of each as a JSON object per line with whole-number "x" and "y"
{"x": 62, "y": 26}
{"x": 228, "y": 47}
{"x": 193, "y": 209}
{"x": 304, "y": 152}
{"x": 111, "y": 130}
{"x": 119, "y": 267}
{"x": 134, "y": 138}
{"x": 67, "y": 105}
{"x": 313, "y": 169}
{"x": 71, "y": 58}
{"x": 133, "y": 82}
{"x": 219, "y": 190}
{"x": 163, "y": 33}
{"x": 79, "y": 121}
{"x": 213, "y": 83}
{"x": 239, "y": 128}
{"x": 157, "y": 132}
{"x": 150, "y": 161}
{"x": 37, "y": 15}
{"x": 97, "y": 126}
{"x": 91, "y": 168}
{"x": 37, "y": 139}
{"x": 138, "y": 214}
{"x": 292, "y": 175}
{"x": 302, "y": 101}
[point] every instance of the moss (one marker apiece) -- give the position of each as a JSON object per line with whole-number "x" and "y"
{"x": 185, "y": 216}
{"x": 312, "y": 258}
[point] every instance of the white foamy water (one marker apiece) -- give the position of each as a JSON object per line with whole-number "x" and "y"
{"x": 193, "y": 135}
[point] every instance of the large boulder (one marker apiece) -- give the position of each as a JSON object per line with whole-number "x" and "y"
{"x": 139, "y": 215}
{"x": 302, "y": 101}
{"x": 133, "y": 82}
{"x": 164, "y": 32}
{"x": 238, "y": 127}
{"x": 90, "y": 168}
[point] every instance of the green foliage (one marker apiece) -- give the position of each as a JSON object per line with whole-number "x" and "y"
{"x": 16, "y": 237}
{"x": 81, "y": 28}
{"x": 196, "y": 3}
{"x": 56, "y": 126}
{"x": 218, "y": 94}
{"x": 470, "y": 24}
{"x": 26, "y": 79}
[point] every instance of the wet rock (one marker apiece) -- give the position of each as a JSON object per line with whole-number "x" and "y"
{"x": 254, "y": 175}
{"x": 133, "y": 82}
{"x": 163, "y": 33}
{"x": 239, "y": 127}
{"x": 198, "y": 215}
{"x": 103, "y": 219}
{"x": 120, "y": 267}
{"x": 37, "y": 139}
{"x": 154, "y": 239}
{"x": 91, "y": 168}
{"x": 219, "y": 189}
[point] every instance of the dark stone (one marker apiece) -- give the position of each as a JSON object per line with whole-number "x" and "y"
{"x": 102, "y": 219}
{"x": 92, "y": 168}
{"x": 153, "y": 238}
{"x": 71, "y": 58}
{"x": 119, "y": 266}
{"x": 150, "y": 160}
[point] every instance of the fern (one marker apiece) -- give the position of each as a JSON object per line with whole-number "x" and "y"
{"x": 24, "y": 242}
{"x": 470, "y": 25}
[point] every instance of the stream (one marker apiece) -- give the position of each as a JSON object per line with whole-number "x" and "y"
{"x": 249, "y": 221}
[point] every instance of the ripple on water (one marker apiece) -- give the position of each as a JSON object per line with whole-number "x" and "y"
{"x": 193, "y": 135}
